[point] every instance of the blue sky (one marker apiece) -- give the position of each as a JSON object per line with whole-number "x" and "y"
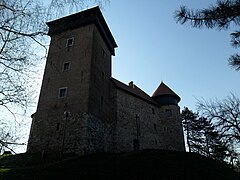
{"x": 152, "y": 48}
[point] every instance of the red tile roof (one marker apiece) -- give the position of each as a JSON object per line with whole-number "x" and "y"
{"x": 163, "y": 89}
{"x": 136, "y": 91}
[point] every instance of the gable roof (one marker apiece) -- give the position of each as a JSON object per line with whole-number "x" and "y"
{"x": 163, "y": 90}
{"x": 136, "y": 91}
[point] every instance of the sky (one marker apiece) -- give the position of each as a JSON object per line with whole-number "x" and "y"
{"x": 152, "y": 48}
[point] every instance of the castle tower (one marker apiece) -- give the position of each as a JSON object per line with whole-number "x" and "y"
{"x": 168, "y": 100}
{"x": 74, "y": 102}
{"x": 82, "y": 109}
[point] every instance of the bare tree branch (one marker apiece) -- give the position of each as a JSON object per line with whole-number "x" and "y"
{"x": 23, "y": 30}
{"x": 225, "y": 115}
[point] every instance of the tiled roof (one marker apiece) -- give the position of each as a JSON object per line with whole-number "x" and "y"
{"x": 163, "y": 89}
{"x": 134, "y": 90}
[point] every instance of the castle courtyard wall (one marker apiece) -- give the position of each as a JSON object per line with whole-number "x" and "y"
{"x": 152, "y": 126}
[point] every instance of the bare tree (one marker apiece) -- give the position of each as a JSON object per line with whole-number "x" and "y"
{"x": 8, "y": 138}
{"x": 225, "y": 116}
{"x": 23, "y": 43}
{"x": 21, "y": 27}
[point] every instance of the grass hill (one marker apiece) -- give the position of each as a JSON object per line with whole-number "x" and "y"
{"x": 146, "y": 164}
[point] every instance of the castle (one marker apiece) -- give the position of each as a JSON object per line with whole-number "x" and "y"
{"x": 83, "y": 109}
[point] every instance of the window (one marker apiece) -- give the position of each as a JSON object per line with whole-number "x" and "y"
{"x": 58, "y": 126}
{"x": 153, "y": 111}
{"x": 62, "y": 92}
{"x": 69, "y": 42}
{"x": 155, "y": 126}
{"x": 102, "y": 76}
{"x": 66, "y": 66}
{"x": 168, "y": 112}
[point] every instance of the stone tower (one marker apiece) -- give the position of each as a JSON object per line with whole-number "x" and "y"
{"x": 168, "y": 101}
{"x": 76, "y": 83}
{"x": 83, "y": 109}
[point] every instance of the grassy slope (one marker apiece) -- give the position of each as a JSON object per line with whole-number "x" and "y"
{"x": 148, "y": 164}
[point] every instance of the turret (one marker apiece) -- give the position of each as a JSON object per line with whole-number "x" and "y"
{"x": 165, "y": 96}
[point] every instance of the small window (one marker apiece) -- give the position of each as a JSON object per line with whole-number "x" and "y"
{"x": 102, "y": 100}
{"x": 103, "y": 76}
{"x": 69, "y": 42}
{"x": 66, "y": 66}
{"x": 62, "y": 92}
{"x": 155, "y": 126}
{"x": 58, "y": 126}
{"x": 153, "y": 111}
{"x": 168, "y": 113}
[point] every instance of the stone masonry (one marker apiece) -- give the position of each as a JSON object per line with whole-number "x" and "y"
{"x": 83, "y": 109}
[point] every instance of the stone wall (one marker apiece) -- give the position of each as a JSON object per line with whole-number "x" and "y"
{"x": 46, "y": 130}
{"x": 88, "y": 88}
{"x": 99, "y": 135}
{"x": 76, "y": 79}
{"x": 152, "y": 126}
{"x": 99, "y": 91}
{"x": 84, "y": 134}
{"x": 102, "y": 117}
{"x": 48, "y": 135}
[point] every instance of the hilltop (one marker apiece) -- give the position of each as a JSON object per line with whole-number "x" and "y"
{"x": 146, "y": 164}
